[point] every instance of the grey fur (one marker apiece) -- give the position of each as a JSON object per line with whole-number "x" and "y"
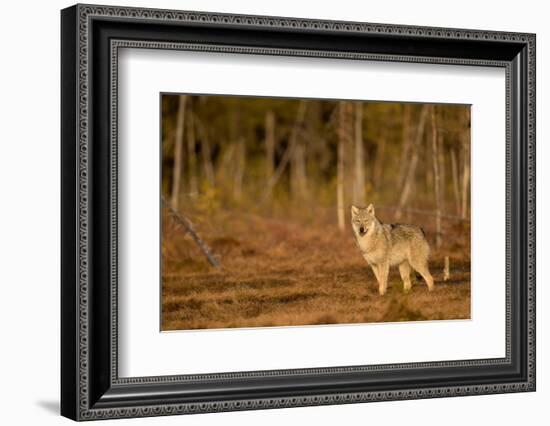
{"x": 385, "y": 245}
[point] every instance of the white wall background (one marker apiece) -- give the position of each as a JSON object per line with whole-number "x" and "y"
{"x": 29, "y": 211}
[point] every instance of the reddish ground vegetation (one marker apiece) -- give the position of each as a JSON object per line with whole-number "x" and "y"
{"x": 279, "y": 273}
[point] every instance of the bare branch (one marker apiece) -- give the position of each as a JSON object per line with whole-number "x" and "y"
{"x": 189, "y": 228}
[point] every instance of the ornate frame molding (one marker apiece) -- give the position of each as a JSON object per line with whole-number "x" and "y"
{"x": 82, "y": 16}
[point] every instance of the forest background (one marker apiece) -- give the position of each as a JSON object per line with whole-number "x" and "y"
{"x": 256, "y": 200}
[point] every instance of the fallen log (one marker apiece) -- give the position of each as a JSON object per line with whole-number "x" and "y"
{"x": 189, "y": 228}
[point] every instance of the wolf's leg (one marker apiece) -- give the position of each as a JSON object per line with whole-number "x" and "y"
{"x": 384, "y": 270}
{"x": 405, "y": 271}
{"x": 422, "y": 268}
{"x": 376, "y": 271}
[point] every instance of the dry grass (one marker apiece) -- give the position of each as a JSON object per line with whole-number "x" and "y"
{"x": 277, "y": 273}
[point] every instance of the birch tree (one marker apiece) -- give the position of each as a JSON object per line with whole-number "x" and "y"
{"x": 411, "y": 170}
{"x": 359, "y": 160}
{"x": 191, "y": 153}
{"x": 406, "y": 141}
{"x": 269, "y": 145}
{"x": 455, "y": 179}
{"x": 437, "y": 183}
{"x": 298, "y": 179}
{"x": 465, "y": 142}
{"x": 178, "y": 153}
{"x": 206, "y": 153}
{"x": 300, "y": 115}
{"x": 380, "y": 162}
{"x": 343, "y": 141}
{"x": 239, "y": 168}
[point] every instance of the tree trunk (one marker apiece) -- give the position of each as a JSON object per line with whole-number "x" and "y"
{"x": 411, "y": 171}
{"x": 298, "y": 179}
{"x": 465, "y": 182}
{"x": 437, "y": 183}
{"x": 359, "y": 178}
{"x": 340, "y": 186}
{"x": 269, "y": 145}
{"x": 344, "y": 140}
{"x": 298, "y": 169}
{"x": 465, "y": 138}
{"x": 405, "y": 150}
{"x": 379, "y": 164}
{"x": 178, "y": 151}
{"x": 206, "y": 153}
{"x": 442, "y": 172}
{"x": 191, "y": 153}
{"x": 454, "y": 171}
{"x": 289, "y": 151}
{"x": 447, "y": 270}
{"x": 226, "y": 163}
{"x": 239, "y": 170}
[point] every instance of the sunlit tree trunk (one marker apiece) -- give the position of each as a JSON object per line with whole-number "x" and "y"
{"x": 191, "y": 153}
{"x": 340, "y": 186}
{"x": 178, "y": 154}
{"x": 344, "y": 140}
{"x": 298, "y": 169}
{"x": 269, "y": 146}
{"x": 447, "y": 269}
{"x": 406, "y": 139}
{"x": 206, "y": 153}
{"x": 442, "y": 171}
{"x": 465, "y": 178}
{"x": 411, "y": 172}
{"x": 298, "y": 178}
{"x": 379, "y": 163}
{"x": 437, "y": 183}
{"x": 289, "y": 153}
{"x": 454, "y": 171}
{"x": 359, "y": 157}
{"x": 465, "y": 139}
{"x": 239, "y": 169}
{"x": 225, "y": 165}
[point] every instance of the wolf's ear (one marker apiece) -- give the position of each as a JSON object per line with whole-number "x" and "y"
{"x": 370, "y": 209}
{"x": 354, "y": 211}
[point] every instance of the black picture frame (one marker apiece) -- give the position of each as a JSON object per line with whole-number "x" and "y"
{"x": 90, "y": 386}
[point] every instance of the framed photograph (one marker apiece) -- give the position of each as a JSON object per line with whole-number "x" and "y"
{"x": 263, "y": 212}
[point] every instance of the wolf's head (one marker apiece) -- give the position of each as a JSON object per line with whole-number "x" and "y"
{"x": 362, "y": 219}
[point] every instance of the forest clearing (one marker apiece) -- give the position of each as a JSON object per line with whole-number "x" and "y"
{"x": 266, "y": 186}
{"x": 276, "y": 273}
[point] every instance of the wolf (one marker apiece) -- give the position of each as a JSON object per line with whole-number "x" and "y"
{"x": 385, "y": 245}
